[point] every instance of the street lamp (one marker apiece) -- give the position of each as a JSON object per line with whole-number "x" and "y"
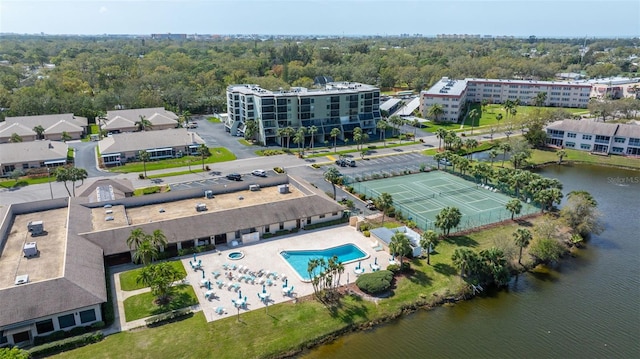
{"x": 49, "y": 176}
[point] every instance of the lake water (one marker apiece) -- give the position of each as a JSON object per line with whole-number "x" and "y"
{"x": 587, "y": 307}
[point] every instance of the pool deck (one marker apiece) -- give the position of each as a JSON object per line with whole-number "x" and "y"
{"x": 265, "y": 255}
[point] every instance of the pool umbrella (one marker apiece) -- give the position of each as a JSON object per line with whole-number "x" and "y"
{"x": 194, "y": 256}
{"x": 264, "y": 290}
{"x": 240, "y": 294}
{"x": 375, "y": 260}
{"x": 202, "y": 274}
{"x": 286, "y": 283}
{"x": 359, "y": 263}
{"x": 209, "y": 285}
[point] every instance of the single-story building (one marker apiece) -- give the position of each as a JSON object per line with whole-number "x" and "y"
{"x": 54, "y": 126}
{"x": 120, "y": 121}
{"x": 383, "y": 236}
{"x": 9, "y": 130}
{"x": 27, "y": 155}
{"x": 120, "y": 148}
{"x": 596, "y": 137}
{"x": 64, "y": 286}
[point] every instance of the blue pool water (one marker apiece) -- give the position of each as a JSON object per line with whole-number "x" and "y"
{"x": 299, "y": 259}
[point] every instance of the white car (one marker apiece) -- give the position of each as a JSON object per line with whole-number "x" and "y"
{"x": 259, "y": 173}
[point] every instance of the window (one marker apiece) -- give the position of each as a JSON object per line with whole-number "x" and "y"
{"x": 587, "y": 137}
{"x": 87, "y": 316}
{"x": 308, "y": 220}
{"x": 66, "y": 321}
{"x": 616, "y": 149}
{"x": 322, "y": 216}
{"x": 334, "y": 213}
{"x": 634, "y": 141}
{"x": 44, "y": 326}
{"x": 570, "y": 144}
{"x": 585, "y": 146}
{"x": 619, "y": 139}
{"x": 571, "y": 135}
{"x": 3, "y": 338}
{"x": 281, "y": 225}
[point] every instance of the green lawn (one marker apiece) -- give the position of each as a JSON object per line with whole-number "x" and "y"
{"x": 142, "y": 305}
{"x": 94, "y": 129}
{"x": 218, "y": 154}
{"x": 25, "y": 182}
{"x": 213, "y": 119}
{"x": 178, "y": 173}
{"x": 260, "y": 335}
{"x": 128, "y": 278}
{"x": 549, "y": 155}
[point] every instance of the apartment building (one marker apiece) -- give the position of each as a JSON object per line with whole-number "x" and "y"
{"x": 596, "y": 137}
{"x": 452, "y": 95}
{"x": 342, "y": 105}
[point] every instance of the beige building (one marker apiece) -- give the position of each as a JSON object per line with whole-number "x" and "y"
{"x": 120, "y": 121}
{"x": 54, "y": 127}
{"x": 28, "y": 155}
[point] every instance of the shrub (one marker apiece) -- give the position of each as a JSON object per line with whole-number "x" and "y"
{"x": 140, "y": 175}
{"x": 375, "y": 282}
{"x": 315, "y": 165}
{"x": 366, "y": 234}
{"x": 393, "y": 268}
{"x": 350, "y": 189}
{"x": 13, "y": 353}
{"x": 365, "y": 227}
{"x": 278, "y": 170}
{"x": 362, "y": 196}
{"x": 151, "y": 190}
{"x": 168, "y": 317}
{"x": 98, "y": 325}
{"x": 422, "y": 165}
{"x": 66, "y": 344}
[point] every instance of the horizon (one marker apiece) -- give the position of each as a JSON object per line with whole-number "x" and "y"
{"x": 334, "y": 18}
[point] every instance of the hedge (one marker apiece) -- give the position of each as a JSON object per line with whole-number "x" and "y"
{"x": 168, "y": 317}
{"x": 65, "y": 344}
{"x": 375, "y": 282}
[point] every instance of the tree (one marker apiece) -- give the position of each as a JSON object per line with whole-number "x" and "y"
{"x": 160, "y": 278}
{"x": 15, "y": 138}
{"x": 581, "y": 215}
{"x": 416, "y": 124}
{"x": 547, "y": 197}
{"x": 288, "y": 132}
{"x": 335, "y": 132}
{"x": 384, "y": 202}
{"x": 428, "y": 240}
{"x": 65, "y": 136}
{"x": 470, "y": 144}
{"x": 522, "y": 237}
{"x": 16, "y": 174}
{"x": 144, "y": 157}
{"x": 158, "y": 238}
{"x": 333, "y": 176}
{"x": 299, "y": 138}
{"x": 464, "y": 259}
{"x": 357, "y": 137}
{"x": 281, "y": 133}
{"x": 136, "y": 238}
{"x": 250, "y": 129}
{"x": 400, "y": 245}
{"x": 382, "y": 126}
{"x": 435, "y": 111}
{"x": 77, "y": 174}
{"x": 145, "y": 253}
{"x": 449, "y": 217}
{"x": 203, "y": 152}
{"x": 143, "y": 124}
{"x": 312, "y": 132}
{"x": 514, "y": 206}
{"x": 499, "y": 118}
{"x": 540, "y": 99}
{"x": 492, "y": 155}
{"x": 473, "y": 116}
{"x": 561, "y": 154}
{"x": 396, "y": 121}
{"x": 441, "y": 134}
{"x": 546, "y": 249}
{"x": 39, "y": 130}
{"x": 62, "y": 175}
{"x": 494, "y": 266}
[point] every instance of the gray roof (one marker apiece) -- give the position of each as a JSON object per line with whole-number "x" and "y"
{"x": 113, "y": 241}
{"x": 63, "y": 126}
{"x": 329, "y": 88}
{"x": 82, "y": 284}
{"x": 407, "y": 109}
{"x": 119, "y": 122}
{"x": 7, "y": 129}
{"x": 134, "y": 114}
{"x": 48, "y": 120}
{"x": 628, "y": 130}
{"x": 586, "y": 127}
{"x": 385, "y": 106}
{"x": 145, "y": 140}
{"x": 21, "y": 152}
{"x": 119, "y": 187}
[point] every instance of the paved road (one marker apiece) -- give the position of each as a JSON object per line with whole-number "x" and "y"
{"x": 85, "y": 157}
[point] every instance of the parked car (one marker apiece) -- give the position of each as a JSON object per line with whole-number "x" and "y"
{"x": 234, "y": 177}
{"x": 370, "y": 205}
{"x": 259, "y": 173}
{"x": 445, "y": 162}
{"x": 349, "y": 162}
{"x": 341, "y": 163}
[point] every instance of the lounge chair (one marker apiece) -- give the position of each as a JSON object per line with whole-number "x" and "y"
{"x": 215, "y": 274}
{"x": 269, "y": 282}
{"x": 224, "y": 266}
{"x": 220, "y": 310}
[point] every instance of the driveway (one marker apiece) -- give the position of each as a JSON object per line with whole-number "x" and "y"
{"x": 85, "y": 157}
{"x": 214, "y": 135}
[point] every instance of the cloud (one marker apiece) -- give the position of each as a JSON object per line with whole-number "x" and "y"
{"x": 103, "y": 9}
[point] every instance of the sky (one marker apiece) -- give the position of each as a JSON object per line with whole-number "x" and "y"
{"x": 521, "y": 18}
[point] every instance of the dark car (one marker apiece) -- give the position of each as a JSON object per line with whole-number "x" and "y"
{"x": 341, "y": 163}
{"x": 234, "y": 177}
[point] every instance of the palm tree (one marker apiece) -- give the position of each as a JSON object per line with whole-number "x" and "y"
{"x": 63, "y": 175}
{"x": 449, "y": 217}
{"x": 158, "y": 238}
{"x": 561, "y": 154}
{"x": 136, "y": 238}
{"x": 15, "y": 138}
{"x": 492, "y": 155}
{"x": 144, "y": 157}
{"x": 203, "y": 152}
{"x": 415, "y": 123}
{"x": 160, "y": 277}
{"x": 312, "y": 265}
{"x": 396, "y": 121}
{"x": 547, "y": 197}
{"x": 435, "y": 111}
{"x": 39, "y": 130}
{"x": 250, "y": 129}
{"x": 514, "y": 206}
{"x": 540, "y": 99}
{"x": 400, "y": 245}
{"x": 384, "y": 202}
{"x": 463, "y": 259}
{"x": 470, "y": 144}
{"x": 463, "y": 165}
{"x": 281, "y": 133}
{"x": 522, "y": 237}
{"x": 144, "y": 124}
{"x": 584, "y": 194}
{"x": 288, "y": 132}
{"x": 312, "y": 132}
{"x": 332, "y": 175}
{"x": 357, "y": 137}
{"x": 473, "y": 116}
{"x": 299, "y": 138}
{"x": 441, "y": 134}
{"x": 499, "y": 118}
{"x": 507, "y": 106}
{"x": 428, "y": 240}
{"x": 505, "y": 147}
{"x": 335, "y": 132}
{"x": 145, "y": 253}
{"x": 77, "y": 174}
{"x": 382, "y": 126}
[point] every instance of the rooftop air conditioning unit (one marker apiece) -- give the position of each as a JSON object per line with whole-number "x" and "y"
{"x": 36, "y": 228}
{"x": 22, "y": 279}
{"x": 30, "y": 249}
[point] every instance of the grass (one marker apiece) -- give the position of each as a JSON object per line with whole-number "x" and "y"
{"x": 213, "y": 119}
{"x": 259, "y": 335}
{"x": 218, "y": 154}
{"x": 245, "y": 142}
{"x": 367, "y": 146}
{"x": 25, "y": 182}
{"x": 178, "y": 173}
{"x": 549, "y": 155}
{"x": 94, "y": 129}
{"x": 143, "y": 305}
{"x": 128, "y": 278}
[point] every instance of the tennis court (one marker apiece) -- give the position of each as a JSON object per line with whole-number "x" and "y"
{"x": 420, "y": 197}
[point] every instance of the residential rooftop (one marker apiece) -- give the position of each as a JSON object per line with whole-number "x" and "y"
{"x": 329, "y": 88}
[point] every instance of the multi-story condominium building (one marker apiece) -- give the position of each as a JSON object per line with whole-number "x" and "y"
{"x": 453, "y": 95}
{"x": 342, "y": 105}
{"x": 597, "y": 137}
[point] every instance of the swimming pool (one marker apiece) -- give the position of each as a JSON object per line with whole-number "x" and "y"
{"x": 299, "y": 259}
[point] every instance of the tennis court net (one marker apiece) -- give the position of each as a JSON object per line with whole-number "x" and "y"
{"x": 461, "y": 190}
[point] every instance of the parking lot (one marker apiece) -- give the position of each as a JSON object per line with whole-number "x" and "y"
{"x": 220, "y": 180}
{"x": 387, "y": 163}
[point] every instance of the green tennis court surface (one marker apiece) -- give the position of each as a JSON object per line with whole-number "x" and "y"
{"x": 420, "y": 197}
